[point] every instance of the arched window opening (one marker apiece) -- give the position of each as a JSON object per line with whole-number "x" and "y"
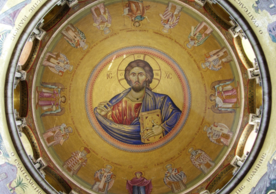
{"x": 27, "y": 145}
{"x": 248, "y": 49}
{"x": 250, "y": 142}
{"x": 26, "y": 52}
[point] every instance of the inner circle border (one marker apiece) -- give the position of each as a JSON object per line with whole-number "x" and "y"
{"x": 90, "y": 108}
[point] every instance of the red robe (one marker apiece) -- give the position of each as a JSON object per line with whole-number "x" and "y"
{"x": 140, "y": 182}
{"x": 126, "y": 111}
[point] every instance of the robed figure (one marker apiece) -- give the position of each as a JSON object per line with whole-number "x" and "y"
{"x": 120, "y": 116}
{"x": 171, "y": 16}
{"x": 201, "y": 160}
{"x": 139, "y": 185}
{"x": 136, "y": 10}
{"x": 49, "y": 98}
{"x": 74, "y": 37}
{"x": 101, "y": 17}
{"x": 199, "y": 34}
{"x": 57, "y": 63}
{"x": 175, "y": 178}
{"x": 76, "y": 161}
{"x": 225, "y": 96}
{"x": 57, "y": 135}
{"x": 216, "y": 59}
{"x": 104, "y": 180}
{"x": 219, "y": 133}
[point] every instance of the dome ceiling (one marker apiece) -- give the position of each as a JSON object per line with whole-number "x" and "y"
{"x": 151, "y": 89}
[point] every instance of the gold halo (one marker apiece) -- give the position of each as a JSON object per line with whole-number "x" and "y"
{"x": 188, "y": 148}
{"x": 139, "y": 22}
{"x": 112, "y": 167}
{"x": 185, "y": 44}
{"x": 169, "y": 31}
{"x": 110, "y": 31}
{"x": 172, "y": 163}
{"x": 153, "y": 63}
{"x": 205, "y": 69}
{"x": 80, "y": 49}
{"x": 73, "y": 131}
{"x": 88, "y": 155}
{"x": 66, "y": 99}
{"x": 69, "y": 72}
{"x": 143, "y": 172}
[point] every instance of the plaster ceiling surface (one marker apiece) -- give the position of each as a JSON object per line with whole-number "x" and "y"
{"x": 186, "y": 116}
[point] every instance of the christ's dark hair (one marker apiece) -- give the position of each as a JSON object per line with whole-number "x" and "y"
{"x": 144, "y": 65}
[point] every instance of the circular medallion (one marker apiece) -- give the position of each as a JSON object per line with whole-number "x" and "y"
{"x": 134, "y": 113}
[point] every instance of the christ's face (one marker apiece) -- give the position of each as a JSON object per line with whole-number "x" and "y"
{"x": 137, "y": 78}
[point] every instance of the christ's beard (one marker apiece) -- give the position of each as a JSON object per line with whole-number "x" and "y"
{"x": 138, "y": 88}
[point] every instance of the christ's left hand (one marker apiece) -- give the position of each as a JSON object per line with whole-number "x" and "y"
{"x": 156, "y": 130}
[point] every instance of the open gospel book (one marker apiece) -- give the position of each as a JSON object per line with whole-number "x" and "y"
{"x": 147, "y": 121}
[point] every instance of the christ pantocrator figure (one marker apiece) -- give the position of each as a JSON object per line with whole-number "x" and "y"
{"x": 119, "y": 117}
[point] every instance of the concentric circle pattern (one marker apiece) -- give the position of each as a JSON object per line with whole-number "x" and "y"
{"x": 150, "y": 90}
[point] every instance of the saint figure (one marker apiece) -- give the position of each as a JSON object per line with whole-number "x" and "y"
{"x": 201, "y": 160}
{"x": 119, "y": 117}
{"x": 175, "y": 178}
{"x": 219, "y": 133}
{"x": 216, "y": 59}
{"x": 101, "y": 17}
{"x": 50, "y": 99}
{"x": 57, "y": 63}
{"x": 139, "y": 185}
{"x": 104, "y": 180}
{"x": 136, "y": 10}
{"x": 74, "y": 37}
{"x": 171, "y": 16}
{"x": 225, "y": 96}
{"x": 76, "y": 161}
{"x": 199, "y": 34}
{"x": 57, "y": 135}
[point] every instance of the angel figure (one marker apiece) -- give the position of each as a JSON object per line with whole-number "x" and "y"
{"x": 50, "y": 99}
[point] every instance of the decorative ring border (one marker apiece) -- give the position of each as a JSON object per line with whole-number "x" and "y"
{"x": 90, "y": 109}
